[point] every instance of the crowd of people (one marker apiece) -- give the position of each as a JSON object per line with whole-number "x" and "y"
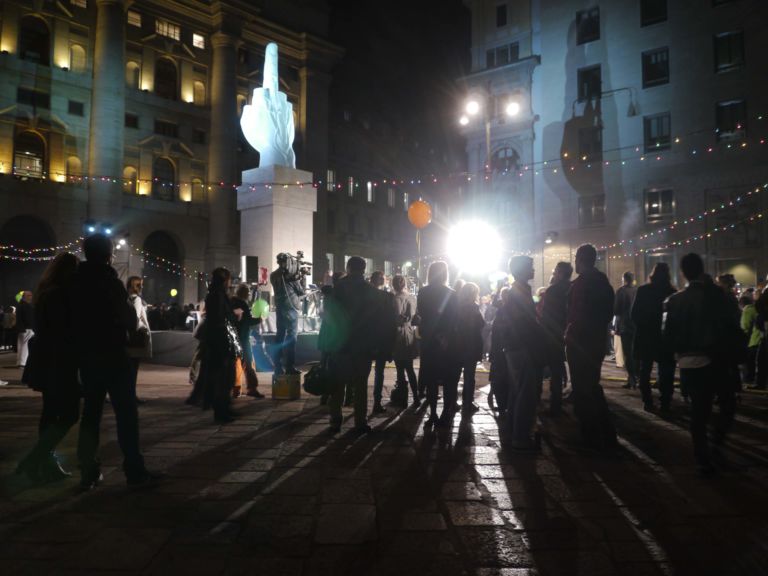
{"x": 87, "y": 332}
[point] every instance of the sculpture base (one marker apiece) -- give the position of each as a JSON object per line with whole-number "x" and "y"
{"x": 277, "y": 206}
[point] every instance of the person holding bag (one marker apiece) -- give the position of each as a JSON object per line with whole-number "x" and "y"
{"x": 406, "y": 348}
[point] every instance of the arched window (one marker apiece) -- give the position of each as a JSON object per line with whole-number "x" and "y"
{"x": 198, "y": 93}
{"x": 166, "y": 84}
{"x": 29, "y": 155}
{"x": 34, "y": 40}
{"x": 74, "y": 167}
{"x": 198, "y": 190}
{"x": 163, "y": 179}
{"x": 505, "y": 160}
{"x": 129, "y": 180}
{"x": 132, "y": 75}
{"x": 76, "y": 58}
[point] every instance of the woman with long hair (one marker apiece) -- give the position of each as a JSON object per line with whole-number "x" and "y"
{"x": 405, "y": 349}
{"x": 649, "y": 347}
{"x": 52, "y": 369}
{"x": 222, "y": 347}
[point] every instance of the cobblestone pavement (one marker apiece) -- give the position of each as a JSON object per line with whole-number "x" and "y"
{"x": 274, "y": 493}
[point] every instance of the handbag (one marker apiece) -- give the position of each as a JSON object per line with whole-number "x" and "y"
{"x": 138, "y": 339}
{"x": 234, "y": 347}
{"x": 316, "y": 381}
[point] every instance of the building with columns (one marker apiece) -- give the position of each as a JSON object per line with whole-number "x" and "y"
{"x": 125, "y": 116}
{"x": 641, "y": 129}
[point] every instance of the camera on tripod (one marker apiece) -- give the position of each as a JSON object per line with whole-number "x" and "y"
{"x": 296, "y": 267}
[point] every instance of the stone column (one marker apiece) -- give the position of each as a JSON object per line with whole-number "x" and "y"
{"x": 222, "y": 153}
{"x": 106, "y": 139}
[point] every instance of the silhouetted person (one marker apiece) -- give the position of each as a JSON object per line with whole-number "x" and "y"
{"x": 727, "y": 283}
{"x": 698, "y": 327}
{"x": 524, "y": 348}
{"x": 288, "y": 291}
{"x": 53, "y": 368}
{"x": 436, "y": 307}
{"x": 406, "y": 347}
{"x": 245, "y": 323}
{"x": 554, "y": 312}
{"x": 761, "y": 322}
{"x": 25, "y": 324}
{"x": 384, "y": 353}
{"x": 469, "y": 344}
{"x": 142, "y": 342}
{"x": 590, "y": 310}
{"x": 221, "y": 347}
{"x": 649, "y": 346}
{"x": 753, "y": 334}
{"x": 103, "y": 319}
{"x": 498, "y": 375}
{"x": 624, "y": 327}
{"x": 356, "y": 310}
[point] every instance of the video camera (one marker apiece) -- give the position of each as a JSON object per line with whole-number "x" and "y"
{"x": 296, "y": 267}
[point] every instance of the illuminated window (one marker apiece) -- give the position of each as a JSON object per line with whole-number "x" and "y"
{"x": 29, "y": 155}
{"x": 134, "y": 19}
{"x": 198, "y": 93}
{"x": 369, "y": 192}
{"x": 592, "y": 210}
{"x": 659, "y": 205}
{"x": 198, "y": 41}
{"x": 405, "y": 201}
{"x": 330, "y": 180}
{"x": 391, "y": 197}
{"x": 129, "y": 180}
{"x": 387, "y": 268}
{"x": 165, "y": 28}
{"x": 329, "y": 257}
{"x": 76, "y": 58}
{"x": 351, "y": 187}
{"x": 132, "y": 75}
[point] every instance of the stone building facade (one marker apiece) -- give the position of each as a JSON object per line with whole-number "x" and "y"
{"x": 125, "y": 116}
{"x": 636, "y": 116}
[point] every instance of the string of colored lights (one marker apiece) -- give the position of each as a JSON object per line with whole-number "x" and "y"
{"x": 20, "y": 250}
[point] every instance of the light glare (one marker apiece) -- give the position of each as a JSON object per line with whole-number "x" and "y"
{"x": 473, "y": 107}
{"x": 474, "y": 247}
{"x": 464, "y": 120}
{"x": 513, "y": 109}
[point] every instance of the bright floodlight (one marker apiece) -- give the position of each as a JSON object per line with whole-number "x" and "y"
{"x": 474, "y": 247}
{"x": 513, "y": 108}
{"x": 464, "y": 120}
{"x": 473, "y": 107}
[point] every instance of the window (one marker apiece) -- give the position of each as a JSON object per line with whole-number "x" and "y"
{"x": 657, "y": 131}
{"x": 729, "y": 51}
{"x": 33, "y": 98}
{"x": 659, "y": 205}
{"x": 592, "y": 210}
{"x": 590, "y": 83}
{"x": 80, "y": 3}
{"x": 502, "y": 55}
{"x": 129, "y": 180}
{"x": 370, "y": 195}
{"x": 591, "y": 144}
{"x": 131, "y": 121}
{"x": 330, "y": 180}
{"x": 391, "y": 197}
{"x": 198, "y": 93}
{"x": 387, "y": 268}
{"x": 514, "y": 52}
{"x": 76, "y": 108}
{"x": 329, "y": 258}
{"x": 331, "y": 222}
{"x": 501, "y": 15}
{"x": 77, "y": 58}
{"x": 655, "y": 67}
{"x": 163, "y": 179}
{"x": 369, "y": 264}
{"x": 166, "y": 85}
{"x": 165, "y": 28}
{"x": 132, "y": 74}
{"x": 587, "y": 25}
{"x": 166, "y": 128}
{"x": 198, "y": 136}
{"x": 74, "y": 167}
{"x": 29, "y": 155}
{"x": 406, "y": 203}
{"x": 34, "y": 41}
{"x": 652, "y": 12}
{"x": 505, "y": 160}
{"x": 134, "y": 19}
{"x": 731, "y": 120}
{"x": 198, "y": 41}
{"x": 351, "y": 187}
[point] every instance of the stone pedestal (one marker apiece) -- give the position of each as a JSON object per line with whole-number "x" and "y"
{"x": 276, "y": 216}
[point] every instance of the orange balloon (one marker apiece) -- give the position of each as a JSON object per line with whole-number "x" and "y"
{"x": 420, "y": 214}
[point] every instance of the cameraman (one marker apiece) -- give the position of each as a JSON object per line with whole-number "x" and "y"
{"x": 288, "y": 288}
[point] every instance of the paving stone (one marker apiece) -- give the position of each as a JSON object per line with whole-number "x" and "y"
{"x": 460, "y": 491}
{"x": 346, "y": 524}
{"x": 473, "y": 514}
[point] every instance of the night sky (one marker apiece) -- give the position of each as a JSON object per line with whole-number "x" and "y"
{"x": 401, "y": 64}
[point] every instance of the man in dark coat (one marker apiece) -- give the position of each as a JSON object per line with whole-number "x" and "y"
{"x": 103, "y": 319}
{"x": 624, "y": 327}
{"x": 590, "y": 310}
{"x": 699, "y": 328}
{"x": 554, "y": 313}
{"x": 357, "y": 312}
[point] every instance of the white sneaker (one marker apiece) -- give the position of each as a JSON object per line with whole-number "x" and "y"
{"x": 3, "y": 383}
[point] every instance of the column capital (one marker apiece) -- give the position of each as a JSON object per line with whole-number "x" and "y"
{"x": 121, "y": 3}
{"x": 223, "y": 40}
